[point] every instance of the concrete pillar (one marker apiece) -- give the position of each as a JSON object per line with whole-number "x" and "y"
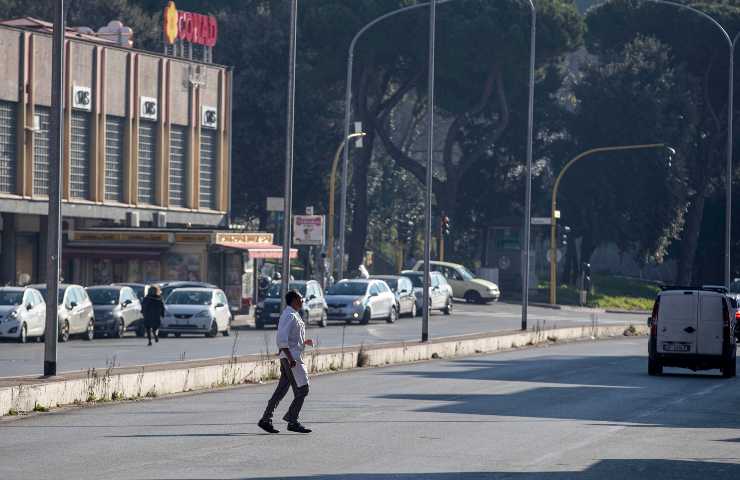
{"x": 7, "y": 250}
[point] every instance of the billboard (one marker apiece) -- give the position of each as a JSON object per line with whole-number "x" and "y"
{"x": 308, "y": 230}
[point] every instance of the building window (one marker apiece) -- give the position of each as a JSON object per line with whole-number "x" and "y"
{"x": 178, "y": 138}
{"x": 8, "y": 140}
{"x": 114, "y": 131}
{"x": 41, "y": 152}
{"x": 147, "y": 147}
{"x": 208, "y": 169}
{"x": 80, "y": 156}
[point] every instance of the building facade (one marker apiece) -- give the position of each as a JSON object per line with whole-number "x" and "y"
{"x": 146, "y": 154}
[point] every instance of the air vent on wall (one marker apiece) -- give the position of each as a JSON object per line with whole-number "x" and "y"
{"x": 82, "y": 98}
{"x": 209, "y": 117}
{"x": 159, "y": 219}
{"x": 149, "y": 108}
{"x": 132, "y": 219}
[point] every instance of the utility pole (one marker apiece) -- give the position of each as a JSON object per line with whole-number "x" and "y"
{"x": 56, "y": 160}
{"x": 430, "y": 155}
{"x": 288, "y": 210}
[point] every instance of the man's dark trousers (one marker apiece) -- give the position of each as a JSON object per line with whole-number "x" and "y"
{"x": 299, "y": 394}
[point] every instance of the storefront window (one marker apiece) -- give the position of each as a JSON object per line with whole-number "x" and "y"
{"x": 184, "y": 267}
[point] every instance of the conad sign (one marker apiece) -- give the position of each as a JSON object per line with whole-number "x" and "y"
{"x": 189, "y": 27}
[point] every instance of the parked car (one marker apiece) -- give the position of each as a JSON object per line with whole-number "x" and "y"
{"x": 196, "y": 310}
{"x": 464, "y": 284}
{"x": 692, "y": 328}
{"x": 440, "y": 292}
{"x": 116, "y": 310}
{"x": 314, "y": 304}
{"x": 76, "y": 314}
{"x": 139, "y": 289}
{"x": 403, "y": 289}
{"x": 361, "y": 300}
{"x": 22, "y": 313}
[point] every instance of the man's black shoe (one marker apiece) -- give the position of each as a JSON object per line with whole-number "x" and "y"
{"x": 266, "y": 425}
{"x": 298, "y": 428}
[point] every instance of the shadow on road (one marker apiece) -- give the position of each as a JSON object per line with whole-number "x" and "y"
{"x": 594, "y": 388}
{"x": 602, "y": 470}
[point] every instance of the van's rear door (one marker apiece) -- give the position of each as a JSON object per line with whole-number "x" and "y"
{"x": 711, "y": 323}
{"x": 677, "y": 321}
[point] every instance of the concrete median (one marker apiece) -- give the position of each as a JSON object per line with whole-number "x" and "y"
{"x": 24, "y": 394}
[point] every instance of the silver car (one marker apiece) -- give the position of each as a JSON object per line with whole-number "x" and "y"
{"x": 361, "y": 300}
{"x": 196, "y": 310}
{"x": 116, "y": 308}
{"x": 440, "y": 292}
{"x": 75, "y": 313}
{"x": 22, "y": 313}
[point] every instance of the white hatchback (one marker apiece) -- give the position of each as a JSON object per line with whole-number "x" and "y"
{"x": 196, "y": 310}
{"x": 692, "y": 328}
{"x": 22, "y": 313}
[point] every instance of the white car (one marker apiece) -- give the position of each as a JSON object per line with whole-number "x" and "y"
{"x": 692, "y": 328}
{"x": 196, "y": 310}
{"x": 361, "y": 300}
{"x": 440, "y": 292}
{"x": 22, "y": 313}
{"x": 464, "y": 284}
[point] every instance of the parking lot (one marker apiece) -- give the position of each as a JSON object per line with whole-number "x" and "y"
{"x": 18, "y": 360}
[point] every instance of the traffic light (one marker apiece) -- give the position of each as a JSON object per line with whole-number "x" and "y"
{"x": 563, "y": 236}
{"x": 445, "y": 225}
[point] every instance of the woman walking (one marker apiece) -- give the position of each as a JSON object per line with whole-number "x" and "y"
{"x": 153, "y": 309}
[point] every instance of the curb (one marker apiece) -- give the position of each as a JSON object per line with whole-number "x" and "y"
{"x": 573, "y": 308}
{"x": 25, "y": 394}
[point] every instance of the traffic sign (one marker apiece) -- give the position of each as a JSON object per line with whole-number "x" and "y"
{"x": 308, "y": 230}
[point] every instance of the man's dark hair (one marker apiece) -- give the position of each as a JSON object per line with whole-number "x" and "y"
{"x": 291, "y": 296}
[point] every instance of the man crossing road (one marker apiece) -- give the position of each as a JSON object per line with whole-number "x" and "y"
{"x": 291, "y": 342}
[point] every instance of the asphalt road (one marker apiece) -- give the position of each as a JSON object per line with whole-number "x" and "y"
{"x": 17, "y": 360}
{"x": 575, "y": 411}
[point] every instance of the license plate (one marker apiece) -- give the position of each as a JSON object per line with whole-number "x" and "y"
{"x": 335, "y": 311}
{"x": 274, "y": 315}
{"x": 676, "y": 347}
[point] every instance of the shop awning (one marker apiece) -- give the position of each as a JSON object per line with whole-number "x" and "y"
{"x": 259, "y": 250}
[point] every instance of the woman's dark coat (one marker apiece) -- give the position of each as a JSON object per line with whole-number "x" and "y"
{"x": 152, "y": 307}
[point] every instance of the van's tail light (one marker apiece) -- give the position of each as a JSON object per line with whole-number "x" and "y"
{"x": 737, "y": 316}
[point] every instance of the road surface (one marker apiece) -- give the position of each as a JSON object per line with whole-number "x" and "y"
{"x": 575, "y": 411}
{"x": 16, "y": 359}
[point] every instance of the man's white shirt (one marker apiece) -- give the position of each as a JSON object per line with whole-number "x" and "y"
{"x": 291, "y": 334}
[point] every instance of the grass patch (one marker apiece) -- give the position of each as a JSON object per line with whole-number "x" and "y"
{"x": 618, "y": 293}
{"x": 37, "y": 407}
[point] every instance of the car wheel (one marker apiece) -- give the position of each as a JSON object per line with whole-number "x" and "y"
{"x": 322, "y": 322}
{"x": 24, "y": 334}
{"x": 90, "y": 332}
{"x": 366, "y": 317}
{"x": 471, "y": 296}
{"x": 392, "y": 316}
{"x": 64, "y": 332}
{"x": 227, "y": 332}
{"x": 730, "y": 368}
{"x": 654, "y": 366}
{"x": 448, "y": 308}
{"x": 413, "y": 310}
{"x": 178, "y": 335}
{"x": 213, "y": 331}
{"x": 120, "y": 330}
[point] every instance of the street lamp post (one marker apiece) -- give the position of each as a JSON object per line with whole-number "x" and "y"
{"x": 54, "y": 244}
{"x": 528, "y": 185}
{"x": 553, "y": 203}
{"x": 288, "y": 207}
{"x": 730, "y": 101}
{"x": 332, "y": 182}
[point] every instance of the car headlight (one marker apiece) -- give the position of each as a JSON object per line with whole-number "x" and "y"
{"x": 13, "y": 315}
{"x": 203, "y": 314}
{"x": 358, "y": 302}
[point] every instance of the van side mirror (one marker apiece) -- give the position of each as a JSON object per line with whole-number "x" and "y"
{"x": 126, "y": 303}
{"x": 29, "y": 307}
{"x": 650, "y": 321}
{"x": 72, "y": 305}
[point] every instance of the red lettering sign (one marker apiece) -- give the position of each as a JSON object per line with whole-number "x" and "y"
{"x": 190, "y": 27}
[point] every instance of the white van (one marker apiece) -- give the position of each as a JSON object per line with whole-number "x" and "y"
{"x": 692, "y": 328}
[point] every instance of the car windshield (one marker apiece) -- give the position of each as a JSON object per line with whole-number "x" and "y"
{"x": 103, "y": 296}
{"x": 392, "y": 283}
{"x": 44, "y": 294}
{"x": 11, "y": 298}
{"x": 466, "y": 275}
{"x": 348, "y": 288}
{"x": 276, "y": 288}
{"x": 189, "y": 298}
{"x": 416, "y": 280}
